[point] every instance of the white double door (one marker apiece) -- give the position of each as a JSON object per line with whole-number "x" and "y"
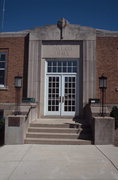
{"x": 61, "y": 95}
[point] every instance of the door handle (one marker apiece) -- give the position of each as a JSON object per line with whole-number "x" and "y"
{"x": 63, "y": 99}
{"x": 60, "y": 99}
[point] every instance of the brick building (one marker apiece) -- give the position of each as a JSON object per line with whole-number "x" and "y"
{"x": 60, "y": 67}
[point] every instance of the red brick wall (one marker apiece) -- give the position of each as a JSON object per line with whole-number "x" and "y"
{"x": 14, "y": 46}
{"x": 107, "y": 64}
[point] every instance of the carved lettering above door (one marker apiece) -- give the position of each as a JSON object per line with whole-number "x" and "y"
{"x": 61, "y": 51}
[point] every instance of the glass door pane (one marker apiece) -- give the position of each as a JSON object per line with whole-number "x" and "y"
{"x": 53, "y": 95}
{"x": 69, "y": 93}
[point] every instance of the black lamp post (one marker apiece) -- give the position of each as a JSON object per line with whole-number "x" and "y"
{"x": 103, "y": 87}
{"x": 18, "y": 86}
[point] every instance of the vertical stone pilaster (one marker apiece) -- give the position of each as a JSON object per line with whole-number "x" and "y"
{"x": 89, "y": 70}
{"x": 42, "y": 87}
{"x": 33, "y": 69}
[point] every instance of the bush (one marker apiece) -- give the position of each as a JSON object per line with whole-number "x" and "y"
{"x": 114, "y": 113}
{"x": 2, "y": 122}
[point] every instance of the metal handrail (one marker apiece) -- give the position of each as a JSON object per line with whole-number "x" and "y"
{"x": 29, "y": 112}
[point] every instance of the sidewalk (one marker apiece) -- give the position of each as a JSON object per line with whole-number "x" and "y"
{"x": 58, "y": 162}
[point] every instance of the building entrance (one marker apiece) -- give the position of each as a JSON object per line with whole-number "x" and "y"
{"x": 61, "y": 93}
{"x": 61, "y": 88}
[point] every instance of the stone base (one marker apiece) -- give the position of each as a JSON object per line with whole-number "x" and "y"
{"x": 103, "y": 129}
{"x": 14, "y": 129}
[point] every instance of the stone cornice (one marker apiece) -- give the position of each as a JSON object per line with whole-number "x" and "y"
{"x": 13, "y": 34}
{"x": 106, "y": 33}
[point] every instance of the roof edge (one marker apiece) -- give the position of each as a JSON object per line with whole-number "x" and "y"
{"x": 14, "y": 34}
{"x": 106, "y": 33}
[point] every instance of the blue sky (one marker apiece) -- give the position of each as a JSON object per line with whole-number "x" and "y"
{"x": 27, "y": 14}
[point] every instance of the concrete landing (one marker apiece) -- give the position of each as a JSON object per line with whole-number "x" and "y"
{"x": 54, "y": 121}
{"x": 54, "y": 162}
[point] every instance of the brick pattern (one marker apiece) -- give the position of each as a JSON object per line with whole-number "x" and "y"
{"x": 107, "y": 64}
{"x": 14, "y": 46}
{"x": 106, "y": 56}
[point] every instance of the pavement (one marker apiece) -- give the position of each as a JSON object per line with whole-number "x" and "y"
{"x": 58, "y": 162}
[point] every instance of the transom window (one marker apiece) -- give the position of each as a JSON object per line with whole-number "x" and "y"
{"x": 2, "y": 68}
{"x": 56, "y": 66}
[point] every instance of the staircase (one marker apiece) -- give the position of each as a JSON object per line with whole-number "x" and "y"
{"x": 58, "y": 134}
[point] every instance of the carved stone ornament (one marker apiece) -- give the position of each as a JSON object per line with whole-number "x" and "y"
{"x": 62, "y": 24}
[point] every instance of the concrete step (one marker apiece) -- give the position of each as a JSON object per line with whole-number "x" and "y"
{"x": 56, "y": 133}
{"x": 57, "y": 141}
{"x": 68, "y": 125}
{"x": 53, "y": 130}
{"x": 53, "y": 135}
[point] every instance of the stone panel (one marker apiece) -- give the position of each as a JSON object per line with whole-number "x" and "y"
{"x": 61, "y": 51}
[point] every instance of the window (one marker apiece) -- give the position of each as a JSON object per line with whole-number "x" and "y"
{"x": 3, "y": 57}
{"x": 62, "y": 66}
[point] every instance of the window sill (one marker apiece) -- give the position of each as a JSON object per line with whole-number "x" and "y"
{"x": 3, "y": 88}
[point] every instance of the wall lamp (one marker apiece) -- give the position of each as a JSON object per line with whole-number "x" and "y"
{"x": 18, "y": 81}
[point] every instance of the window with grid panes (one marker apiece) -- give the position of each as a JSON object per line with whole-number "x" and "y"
{"x": 55, "y": 66}
{"x": 3, "y": 59}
